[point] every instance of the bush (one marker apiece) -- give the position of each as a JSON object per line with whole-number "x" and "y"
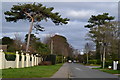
{"x": 10, "y": 53}
{"x": 45, "y": 63}
{"x": 58, "y": 59}
{"x": 98, "y": 61}
{"x": 92, "y": 61}
{"x": 10, "y": 57}
{"x": 51, "y": 58}
{"x": 108, "y": 63}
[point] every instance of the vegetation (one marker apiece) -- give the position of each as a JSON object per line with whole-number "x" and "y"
{"x": 109, "y": 70}
{"x": 34, "y": 13}
{"x": 0, "y": 73}
{"x": 104, "y": 34}
{"x": 10, "y": 53}
{"x": 59, "y": 45}
{"x": 41, "y": 49}
{"x": 31, "y": 72}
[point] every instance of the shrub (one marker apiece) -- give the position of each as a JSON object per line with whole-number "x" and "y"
{"x": 58, "y": 59}
{"x": 98, "y": 61}
{"x": 10, "y": 57}
{"x": 45, "y": 63}
{"x": 51, "y": 58}
{"x": 108, "y": 63}
{"x": 92, "y": 61}
{"x": 9, "y": 53}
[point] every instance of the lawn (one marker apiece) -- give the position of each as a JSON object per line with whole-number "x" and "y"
{"x": 0, "y": 73}
{"x": 92, "y": 65}
{"x": 109, "y": 71}
{"x": 31, "y": 72}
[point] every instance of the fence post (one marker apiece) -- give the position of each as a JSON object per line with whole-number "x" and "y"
{"x": 32, "y": 59}
{"x": 35, "y": 59}
{"x": 27, "y": 60}
{"x": 2, "y": 59}
{"x": 23, "y": 59}
{"x": 17, "y": 59}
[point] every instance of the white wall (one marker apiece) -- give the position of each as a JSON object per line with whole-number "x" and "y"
{"x": 18, "y": 64}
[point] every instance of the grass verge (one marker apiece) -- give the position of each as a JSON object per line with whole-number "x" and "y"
{"x": 92, "y": 65}
{"x": 108, "y": 70}
{"x": 31, "y": 72}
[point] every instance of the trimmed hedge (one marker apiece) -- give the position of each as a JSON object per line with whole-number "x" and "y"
{"x": 108, "y": 63}
{"x": 51, "y": 58}
{"x": 10, "y": 57}
{"x": 58, "y": 59}
{"x": 92, "y": 61}
{"x": 10, "y": 53}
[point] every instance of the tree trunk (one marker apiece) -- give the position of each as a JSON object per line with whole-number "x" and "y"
{"x": 104, "y": 58}
{"x": 30, "y": 30}
{"x": 87, "y": 58}
{"x": 28, "y": 39}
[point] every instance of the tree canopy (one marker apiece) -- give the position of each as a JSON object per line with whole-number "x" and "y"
{"x": 35, "y": 10}
{"x": 7, "y": 41}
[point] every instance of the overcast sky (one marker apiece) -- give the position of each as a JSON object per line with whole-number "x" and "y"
{"x": 74, "y": 31}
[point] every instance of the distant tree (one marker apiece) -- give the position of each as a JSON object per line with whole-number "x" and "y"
{"x": 33, "y": 13}
{"x": 42, "y": 49}
{"x": 7, "y": 41}
{"x": 96, "y": 25}
{"x": 33, "y": 38}
{"x": 88, "y": 48}
{"x": 33, "y": 41}
{"x": 0, "y": 41}
{"x": 60, "y": 45}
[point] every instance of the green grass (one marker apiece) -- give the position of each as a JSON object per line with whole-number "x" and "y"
{"x": 0, "y": 73}
{"x": 109, "y": 71}
{"x": 92, "y": 65}
{"x": 31, "y": 72}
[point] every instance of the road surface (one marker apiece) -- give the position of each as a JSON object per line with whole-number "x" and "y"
{"x": 82, "y": 72}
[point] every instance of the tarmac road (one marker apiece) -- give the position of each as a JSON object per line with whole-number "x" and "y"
{"x": 81, "y": 72}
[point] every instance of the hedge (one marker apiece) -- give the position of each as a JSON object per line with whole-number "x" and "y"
{"x": 51, "y": 58}
{"x": 108, "y": 63}
{"x": 92, "y": 61}
{"x": 9, "y": 56}
{"x": 58, "y": 59}
{"x": 10, "y": 53}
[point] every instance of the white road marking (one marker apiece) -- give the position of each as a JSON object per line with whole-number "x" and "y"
{"x": 78, "y": 69}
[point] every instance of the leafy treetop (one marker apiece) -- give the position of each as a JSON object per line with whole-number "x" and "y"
{"x": 98, "y": 20}
{"x": 37, "y": 11}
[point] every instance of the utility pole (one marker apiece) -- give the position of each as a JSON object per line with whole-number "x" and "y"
{"x": 87, "y": 51}
{"x": 104, "y": 44}
{"x": 51, "y": 46}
